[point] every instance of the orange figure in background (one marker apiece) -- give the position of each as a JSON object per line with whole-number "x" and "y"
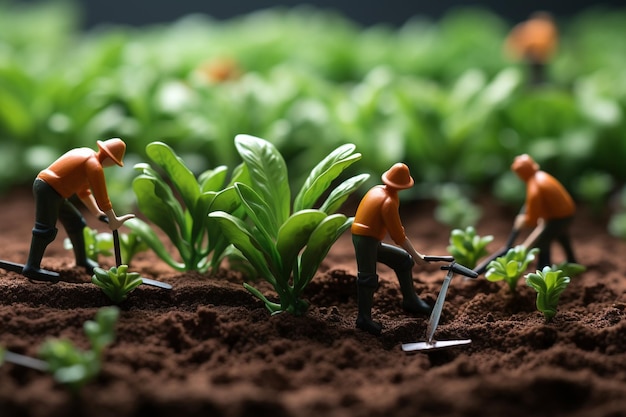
{"x": 376, "y": 216}
{"x": 79, "y": 171}
{"x": 534, "y": 41}
{"x": 547, "y": 201}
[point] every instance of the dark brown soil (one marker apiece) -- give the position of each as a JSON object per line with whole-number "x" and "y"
{"x": 208, "y": 348}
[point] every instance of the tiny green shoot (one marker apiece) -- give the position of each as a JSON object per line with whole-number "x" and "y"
{"x": 285, "y": 247}
{"x": 467, "y": 247}
{"x": 549, "y": 284}
{"x": 117, "y": 282}
{"x": 74, "y": 367}
{"x": 511, "y": 266}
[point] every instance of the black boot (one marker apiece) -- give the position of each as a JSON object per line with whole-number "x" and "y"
{"x": 410, "y": 301}
{"x": 366, "y": 300}
{"x": 42, "y": 236}
{"x": 80, "y": 251}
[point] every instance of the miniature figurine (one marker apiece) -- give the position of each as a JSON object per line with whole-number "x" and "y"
{"x": 377, "y": 214}
{"x": 547, "y": 201}
{"x": 534, "y": 41}
{"x": 78, "y": 171}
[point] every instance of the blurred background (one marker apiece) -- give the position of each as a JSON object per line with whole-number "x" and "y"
{"x": 395, "y": 12}
{"x": 427, "y": 83}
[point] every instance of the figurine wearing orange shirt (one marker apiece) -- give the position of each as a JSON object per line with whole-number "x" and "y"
{"x": 80, "y": 172}
{"x": 547, "y": 201}
{"x": 376, "y": 216}
{"x": 534, "y": 41}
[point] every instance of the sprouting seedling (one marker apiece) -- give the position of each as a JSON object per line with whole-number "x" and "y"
{"x": 510, "y": 267}
{"x": 549, "y": 284}
{"x": 117, "y": 282}
{"x": 467, "y": 247}
{"x": 286, "y": 247}
{"x": 74, "y": 367}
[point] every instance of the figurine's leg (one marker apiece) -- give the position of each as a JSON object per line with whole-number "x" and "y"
{"x": 367, "y": 282}
{"x": 544, "y": 243}
{"x": 74, "y": 224}
{"x": 43, "y": 235}
{"x": 564, "y": 240}
{"x": 402, "y": 264}
{"x": 47, "y": 203}
{"x": 366, "y": 287}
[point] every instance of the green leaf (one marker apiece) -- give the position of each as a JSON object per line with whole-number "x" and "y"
{"x": 320, "y": 242}
{"x": 213, "y": 180}
{"x": 294, "y": 234}
{"x": 159, "y": 205}
{"x": 183, "y": 179}
{"x": 323, "y": 174}
{"x": 260, "y": 213}
{"x": 143, "y": 230}
{"x": 271, "y": 306}
{"x": 339, "y": 195}
{"x": 238, "y": 235}
{"x": 268, "y": 174}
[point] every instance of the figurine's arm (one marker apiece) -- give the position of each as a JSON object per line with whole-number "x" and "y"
{"x": 417, "y": 257}
{"x": 116, "y": 222}
{"x": 90, "y": 202}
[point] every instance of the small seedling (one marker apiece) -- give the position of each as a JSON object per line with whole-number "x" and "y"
{"x": 549, "y": 284}
{"x": 117, "y": 282}
{"x": 74, "y": 367}
{"x": 511, "y": 266}
{"x": 467, "y": 247}
{"x": 286, "y": 248}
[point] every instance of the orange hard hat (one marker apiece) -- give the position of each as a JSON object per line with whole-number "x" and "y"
{"x": 524, "y": 165}
{"x": 398, "y": 176}
{"x": 114, "y": 149}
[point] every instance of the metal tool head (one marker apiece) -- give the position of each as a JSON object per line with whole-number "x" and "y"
{"x": 155, "y": 283}
{"x": 434, "y": 345}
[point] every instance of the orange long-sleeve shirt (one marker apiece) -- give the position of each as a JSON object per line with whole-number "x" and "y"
{"x": 546, "y": 198}
{"x": 378, "y": 214}
{"x": 78, "y": 172}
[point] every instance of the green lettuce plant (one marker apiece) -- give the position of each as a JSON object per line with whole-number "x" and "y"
{"x": 74, "y": 367}
{"x": 287, "y": 245}
{"x": 117, "y": 282}
{"x": 178, "y": 203}
{"x": 467, "y": 247}
{"x": 549, "y": 284}
{"x": 511, "y": 266}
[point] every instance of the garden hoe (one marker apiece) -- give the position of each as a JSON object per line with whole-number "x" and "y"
{"x": 433, "y": 321}
{"x": 118, "y": 259}
{"x": 27, "y": 361}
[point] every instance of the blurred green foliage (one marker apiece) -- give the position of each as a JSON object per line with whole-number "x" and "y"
{"x": 437, "y": 95}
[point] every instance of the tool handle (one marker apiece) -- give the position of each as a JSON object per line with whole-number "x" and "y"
{"x": 116, "y": 241}
{"x": 439, "y": 258}
{"x": 460, "y": 269}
